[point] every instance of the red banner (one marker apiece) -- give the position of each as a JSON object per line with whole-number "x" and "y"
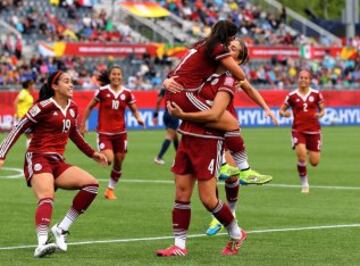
{"x": 108, "y": 49}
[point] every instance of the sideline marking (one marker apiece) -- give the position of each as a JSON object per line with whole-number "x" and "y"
{"x": 260, "y": 231}
{"x": 222, "y": 183}
{"x": 17, "y": 170}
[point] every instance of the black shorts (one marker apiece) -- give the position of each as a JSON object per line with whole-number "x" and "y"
{"x": 170, "y": 121}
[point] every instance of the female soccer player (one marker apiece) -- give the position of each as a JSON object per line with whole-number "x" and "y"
{"x": 171, "y": 125}
{"x": 199, "y": 158}
{"x": 23, "y": 101}
{"x": 233, "y": 142}
{"x": 307, "y": 106}
{"x": 199, "y": 64}
{"x": 52, "y": 121}
{"x": 112, "y": 137}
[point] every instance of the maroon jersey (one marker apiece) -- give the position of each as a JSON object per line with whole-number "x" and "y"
{"x": 197, "y": 65}
{"x": 225, "y": 82}
{"x": 111, "y": 119}
{"x": 215, "y": 83}
{"x": 304, "y": 109}
{"x": 51, "y": 126}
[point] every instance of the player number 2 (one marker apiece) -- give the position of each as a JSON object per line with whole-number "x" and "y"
{"x": 211, "y": 166}
{"x": 305, "y": 107}
{"x": 66, "y": 125}
{"x": 115, "y": 104}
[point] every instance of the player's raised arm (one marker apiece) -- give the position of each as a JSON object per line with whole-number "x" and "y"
{"x": 86, "y": 114}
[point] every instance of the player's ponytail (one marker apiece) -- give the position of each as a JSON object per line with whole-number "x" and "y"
{"x": 221, "y": 32}
{"x": 46, "y": 90}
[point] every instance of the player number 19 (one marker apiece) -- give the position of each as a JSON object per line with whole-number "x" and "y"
{"x": 66, "y": 125}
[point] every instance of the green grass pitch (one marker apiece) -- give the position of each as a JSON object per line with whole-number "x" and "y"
{"x": 285, "y": 227}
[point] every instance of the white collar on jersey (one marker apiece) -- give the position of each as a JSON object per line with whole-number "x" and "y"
{"x": 116, "y": 94}
{"x": 304, "y": 97}
{"x": 63, "y": 111}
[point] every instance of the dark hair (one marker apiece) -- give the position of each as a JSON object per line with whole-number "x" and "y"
{"x": 103, "y": 78}
{"x": 306, "y": 70}
{"x": 243, "y": 56}
{"x": 46, "y": 90}
{"x": 221, "y": 32}
{"x": 27, "y": 83}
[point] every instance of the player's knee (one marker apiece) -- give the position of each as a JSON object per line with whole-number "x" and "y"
{"x": 209, "y": 202}
{"x": 314, "y": 162}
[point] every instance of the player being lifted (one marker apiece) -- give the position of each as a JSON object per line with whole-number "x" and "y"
{"x": 307, "y": 107}
{"x": 52, "y": 121}
{"x": 113, "y": 98}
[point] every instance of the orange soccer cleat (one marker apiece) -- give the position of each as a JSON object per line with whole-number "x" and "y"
{"x": 110, "y": 194}
{"x": 171, "y": 251}
{"x": 233, "y": 246}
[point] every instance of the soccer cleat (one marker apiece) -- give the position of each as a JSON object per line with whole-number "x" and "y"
{"x": 233, "y": 246}
{"x": 305, "y": 190}
{"x": 249, "y": 177}
{"x": 60, "y": 237}
{"x": 171, "y": 251}
{"x": 110, "y": 194}
{"x": 214, "y": 227}
{"x": 227, "y": 171}
{"x": 159, "y": 161}
{"x": 44, "y": 250}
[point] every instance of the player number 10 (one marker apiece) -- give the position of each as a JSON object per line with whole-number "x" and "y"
{"x": 115, "y": 104}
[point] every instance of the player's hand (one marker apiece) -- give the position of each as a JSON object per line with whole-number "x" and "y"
{"x": 171, "y": 85}
{"x": 82, "y": 128}
{"x": 100, "y": 158}
{"x": 269, "y": 113}
{"x": 2, "y": 163}
{"x": 319, "y": 115}
{"x": 174, "y": 109}
{"x": 141, "y": 122}
{"x": 155, "y": 121}
{"x": 285, "y": 114}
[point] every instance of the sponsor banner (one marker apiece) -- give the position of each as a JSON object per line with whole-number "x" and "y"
{"x": 145, "y": 9}
{"x": 342, "y": 108}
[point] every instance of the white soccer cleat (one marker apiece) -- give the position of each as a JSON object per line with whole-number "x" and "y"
{"x": 159, "y": 161}
{"x": 305, "y": 190}
{"x": 60, "y": 237}
{"x": 44, "y": 250}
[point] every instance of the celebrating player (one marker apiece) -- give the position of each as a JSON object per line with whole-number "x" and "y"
{"x": 23, "y": 101}
{"x": 199, "y": 158}
{"x": 52, "y": 121}
{"x": 199, "y": 64}
{"x": 307, "y": 106}
{"x": 233, "y": 142}
{"x": 171, "y": 124}
{"x": 112, "y": 137}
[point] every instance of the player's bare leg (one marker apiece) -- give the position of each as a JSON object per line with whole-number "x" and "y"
{"x": 114, "y": 176}
{"x": 314, "y": 158}
{"x": 301, "y": 153}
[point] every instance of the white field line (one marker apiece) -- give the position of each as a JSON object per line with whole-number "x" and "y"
{"x": 221, "y": 183}
{"x": 127, "y": 240}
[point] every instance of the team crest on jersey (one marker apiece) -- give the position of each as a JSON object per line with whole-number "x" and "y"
{"x": 72, "y": 113}
{"x": 108, "y": 95}
{"x": 214, "y": 81}
{"x": 34, "y": 110}
{"x": 55, "y": 113}
{"x": 122, "y": 97}
{"x": 311, "y": 99}
{"x": 37, "y": 167}
{"x": 101, "y": 146}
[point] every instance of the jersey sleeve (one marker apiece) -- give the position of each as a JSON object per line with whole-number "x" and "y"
{"x": 131, "y": 98}
{"x": 220, "y": 52}
{"x": 321, "y": 98}
{"x": 228, "y": 85}
{"x": 79, "y": 140}
{"x": 14, "y": 134}
{"x": 97, "y": 95}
